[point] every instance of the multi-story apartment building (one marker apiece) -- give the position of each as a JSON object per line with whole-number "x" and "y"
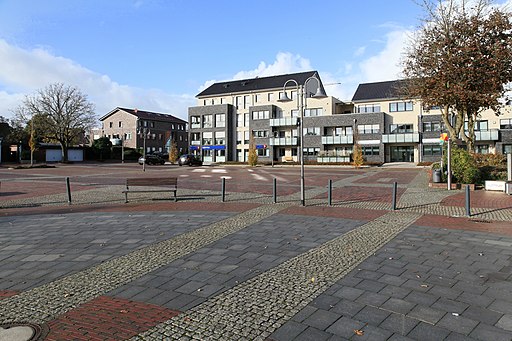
{"x": 232, "y": 115}
{"x": 131, "y": 127}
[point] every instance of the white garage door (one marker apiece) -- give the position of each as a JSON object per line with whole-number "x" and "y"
{"x": 75, "y": 155}
{"x": 53, "y": 155}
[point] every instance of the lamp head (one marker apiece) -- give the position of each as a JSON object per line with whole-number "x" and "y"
{"x": 319, "y": 93}
{"x": 283, "y": 97}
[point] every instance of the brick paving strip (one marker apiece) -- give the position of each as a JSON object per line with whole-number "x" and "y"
{"x": 256, "y": 308}
{"x": 44, "y": 303}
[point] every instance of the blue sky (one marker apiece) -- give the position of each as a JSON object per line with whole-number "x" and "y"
{"x": 157, "y": 55}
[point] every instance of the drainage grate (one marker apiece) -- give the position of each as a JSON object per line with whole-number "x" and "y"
{"x": 21, "y": 331}
{"x": 481, "y": 221}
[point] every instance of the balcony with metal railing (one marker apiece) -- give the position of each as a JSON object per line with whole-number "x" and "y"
{"x": 284, "y": 122}
{"x": 487, "y": 135}
{"x": 283, "y": 141}
{"x": 338, "y": 139}
{"x": 401, "y": 138}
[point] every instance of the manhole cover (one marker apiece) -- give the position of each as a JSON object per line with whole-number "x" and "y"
{"x": 19, "y": 331}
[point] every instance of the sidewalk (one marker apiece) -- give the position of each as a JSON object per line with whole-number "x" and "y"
{"x": 247, "y": 269}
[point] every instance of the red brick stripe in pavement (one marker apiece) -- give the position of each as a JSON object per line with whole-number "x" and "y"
{"x": 464, "y": 223}
{"x": 108, "y": 318}
{"x": 7, "y": 293}
{"x": 480, "y": 199}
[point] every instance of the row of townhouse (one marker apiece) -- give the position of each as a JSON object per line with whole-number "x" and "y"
{"x": 232, "y": 115}
{"x": 133, "y": 128}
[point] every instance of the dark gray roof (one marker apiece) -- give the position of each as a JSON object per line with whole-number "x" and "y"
{"x": 146, "y": 115}
{"x": 258, "y": 84}
{"x": 379, "y": 90}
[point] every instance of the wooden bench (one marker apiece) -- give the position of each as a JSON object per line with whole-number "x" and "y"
{"x": 171, "y": 185}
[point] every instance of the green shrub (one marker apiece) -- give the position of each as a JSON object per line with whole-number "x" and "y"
{"x": 464, "y": 167}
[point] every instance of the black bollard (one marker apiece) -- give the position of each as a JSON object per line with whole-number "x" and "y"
{"x": 68, "y": 190}
{"x": 394, "y": 195}
{"x": 223, "y": 189}
{"x": 329, "y": 193}
{"x": 468, "y": 208}
{"x": 274, "y": 190}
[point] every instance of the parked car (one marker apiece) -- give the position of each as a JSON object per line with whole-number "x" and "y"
{"x": 189, "y": 159}
{"x": 151, "y": 159}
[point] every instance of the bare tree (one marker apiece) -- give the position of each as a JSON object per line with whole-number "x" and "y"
{"x": 460, "y": 60}
{"x": 63, "y": 113}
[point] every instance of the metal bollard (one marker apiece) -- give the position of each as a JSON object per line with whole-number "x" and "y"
{"x": 394, "y": 195}
{"x": 68, "y": 190}
{"x": 329, "y": 193}
{"x": 468, "y": 208}
{"x": 223, "y": 189}
{"x": 274, "y": 190}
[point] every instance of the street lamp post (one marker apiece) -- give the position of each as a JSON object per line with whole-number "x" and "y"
{"x": 144, "y": 131}
{"x": 301, "y": 105}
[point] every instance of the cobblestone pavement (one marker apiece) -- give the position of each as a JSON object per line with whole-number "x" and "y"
{"x": 249, "y": 269}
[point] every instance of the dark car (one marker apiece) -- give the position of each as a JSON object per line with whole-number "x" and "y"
{"x": 151, "y": 159}
{"x": 189, "y": 159}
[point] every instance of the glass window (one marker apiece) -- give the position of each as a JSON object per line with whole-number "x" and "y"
{"x": 220, "y": 138}
{"x": 506, "y": 123}
{"x": 239, "y": 137}
{"x": 400, "y": 106}
{"x": 432, "y": 126}
{"x": 295, "y": 113}
{"x": 220, "y": 120}
{"x": 261, "y": 115}
{"x": 368, "y": 128}
{"x": 507, "y": 149}
{"x": 313, "y": 112}
{"x": 400, "y": 128}
{"x": 432, "y": 150}
{"x": 370, "y": 151}
{"x": 246, "y": 137}
{"x": 247, "y": 101}
{"x": 263, "y": 152}
{"x": 270, "y": 96}
{"x": 208, "y": 121}
{"x": 110, "y": 124}
{"x": 368, "y": 108}
{"x": 482, "y": 149}
{"x": 257, "y": 98}
{"x": 312, "y": 131}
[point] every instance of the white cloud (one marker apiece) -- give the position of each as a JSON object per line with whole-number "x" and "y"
{"x": 386, "y": 64}
{"x": 30, "y": 70}
{"x": 360, "y": 51}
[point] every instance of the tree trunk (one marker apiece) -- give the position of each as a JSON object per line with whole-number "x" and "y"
{"x": 64, "y": 149}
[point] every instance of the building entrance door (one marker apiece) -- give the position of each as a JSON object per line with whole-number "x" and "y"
{"x": 402, "y": 154}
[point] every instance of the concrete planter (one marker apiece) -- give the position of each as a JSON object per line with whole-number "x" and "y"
{"x": 494, "y": 185}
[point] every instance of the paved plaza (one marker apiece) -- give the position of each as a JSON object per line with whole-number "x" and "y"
{"x": 246, "y": 267}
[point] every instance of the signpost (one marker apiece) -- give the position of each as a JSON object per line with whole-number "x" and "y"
{"x": 444, "y": 138}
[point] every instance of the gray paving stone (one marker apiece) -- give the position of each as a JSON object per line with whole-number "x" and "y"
{"x": 424, "y": 331}
{"x": 347, "y": 307}
{"x": 321, "y": 319}
{"x": 505, "y": 322}
{"x": 458, "y": 324}
{"x": 288, "y": 332}
{"x": 345, "y": 327}
{"x": 399, "y": 324}
{"x": 371, "y": 315}
{"x": 483, "y": 315}
{"x": 372, "y": 333}
{"x": 393, "y": 291}
{"x": 397, "y": 305}
{"x": 450, "y": 306}
{"x": 426, "y": 314}
{"x": 348, "y": 293}
{"x": 485, "y": 332}
{"x": 304, "y": 313}
{"x": 313, "y": 334}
